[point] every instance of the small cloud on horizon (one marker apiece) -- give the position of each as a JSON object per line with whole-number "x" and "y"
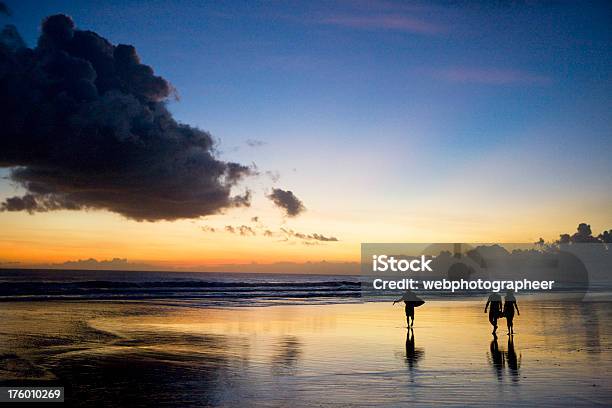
{"x": 286, "y": 234}
{"x": 92, "y": 264}
{"x": 122, "y": 264}
{"x": 289, "y": 233}
{"x": 243, "y": 230}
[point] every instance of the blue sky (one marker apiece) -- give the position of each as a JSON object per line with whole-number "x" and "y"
{"x": 360, "y": 103}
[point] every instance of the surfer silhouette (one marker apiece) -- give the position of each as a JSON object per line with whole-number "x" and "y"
{"x": 411, "y": 301}
{"x": 509, "y": 306}
{"x": 495, "y": 310}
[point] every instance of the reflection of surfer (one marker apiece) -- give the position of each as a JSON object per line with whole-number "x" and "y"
{"x": 411, "y": 300}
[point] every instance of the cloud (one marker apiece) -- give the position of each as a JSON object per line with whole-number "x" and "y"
{"x": 320, "y": 267}
{"x": 286, "y": 200}
{"x": 289, "y": 233}
{"x": 286, "y": 234}
{"x": 273, "y": 175}
{"x": 243, "y": 230}
{"x": 320, "y": 237}
{"x": 255, "y": 143}
{"x": 4, "y": 9}
{"x": 489, "y": 76}
{"x": 246, "y": 230}
{"x": 393, "y": 22}
{"x": 84, "y": 125}
{"x": 121, "y": 264}
{"x": 207, "y": 228}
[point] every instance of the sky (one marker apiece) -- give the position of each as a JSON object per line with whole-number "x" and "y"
{"x": 443, "y": 121}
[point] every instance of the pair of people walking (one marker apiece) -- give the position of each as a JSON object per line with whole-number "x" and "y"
{"x": 494, "y": 306}
{"x": 496, "y": 311}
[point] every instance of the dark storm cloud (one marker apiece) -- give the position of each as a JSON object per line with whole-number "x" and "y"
{"x": 10, "y": 38}
{"x": 4, "y": 9}
{"x": 25, "y": 203}
{"x": 84, "y": 125}
{"x": 286, "y": 200}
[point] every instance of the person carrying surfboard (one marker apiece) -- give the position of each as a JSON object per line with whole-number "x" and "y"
{"x": 411, "y": 301}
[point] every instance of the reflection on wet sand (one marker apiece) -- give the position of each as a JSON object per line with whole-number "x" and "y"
{"x": 285, "y": 358}
{"x": 513, "y": 360}
{"x": 499, "y": 359}
{"x": 590, "y": 324}
{"x": 358, "y": 355}
{"x": 413, "y": 354}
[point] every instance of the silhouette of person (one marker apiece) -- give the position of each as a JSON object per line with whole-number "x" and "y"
{"x": 495, "y": 311}
{"x": 411, "y": 301}
{"x": 509, "y": 306}
{"x": 497, "y": 358}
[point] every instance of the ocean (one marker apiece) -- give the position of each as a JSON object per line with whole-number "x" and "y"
{"x": 206, "y": 289}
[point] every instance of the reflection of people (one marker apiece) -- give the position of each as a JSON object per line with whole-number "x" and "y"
{"x": 495, "y": 309}
{"x": 497, "y": 358}
{"x": 411, "y": 300}
{"x": 509, "y": 305}
{"x": 513, "y": 361}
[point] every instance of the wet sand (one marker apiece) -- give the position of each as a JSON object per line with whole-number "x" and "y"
{"x": 134, "y": 354}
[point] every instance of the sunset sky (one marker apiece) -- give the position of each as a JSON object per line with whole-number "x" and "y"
{"x": 390, "y": 122}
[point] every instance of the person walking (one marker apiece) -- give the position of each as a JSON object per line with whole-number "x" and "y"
{"x": 411, "y": 301}
{"x": 494, "y": 304}
{"x": 509, "y": 306}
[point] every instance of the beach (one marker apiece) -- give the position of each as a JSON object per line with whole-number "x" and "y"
{"x": 350, "y": 354}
